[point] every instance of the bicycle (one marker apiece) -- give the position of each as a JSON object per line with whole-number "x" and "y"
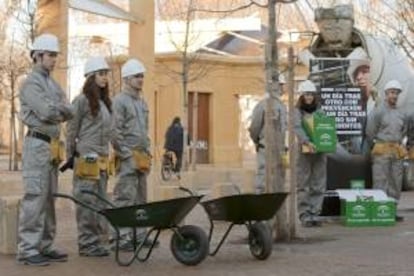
{"x": 168, "y": 165}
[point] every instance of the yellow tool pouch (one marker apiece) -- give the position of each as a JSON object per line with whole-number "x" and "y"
{"x": 87, "y": 169}
{"x": 57, "y": 151}
{"x": 402, "y": 152}
{"x": 411, "y": 154}
{"x": 103, "y": 163}
{"x": 142, "y": 160}
{"x": 285, "y": 160}
{"x": 113, "y": 164}
{"x": 389, "y": 149}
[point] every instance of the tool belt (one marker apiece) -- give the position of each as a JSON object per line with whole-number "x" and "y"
{"x": 90, "y": 168}
{"x": 389, "y": 148}
{"x": 38, "y": 135}
{"x": 285, "y": 160}
{"x": 411, "y": 154}
{"x": 113, "y": 164}
{"x": 142, "y": 160}
{"x": 306, "y": 149}
{"x": 57, "y": 151}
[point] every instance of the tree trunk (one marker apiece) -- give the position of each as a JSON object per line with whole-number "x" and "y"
{"x": 273, "y": 136}
{"x": 185, "y": 114}
{"x": 292, "y": 146}
{"x": 194, "y": 133}
{"x": 13, "y": 126}
{"x": 184, "y": 78}
{"x": 10, "y": 144}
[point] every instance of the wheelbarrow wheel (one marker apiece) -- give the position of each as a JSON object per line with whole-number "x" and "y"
{"x": 166, "y": 167}
{"x": 260, "y": 241}
{"x": 190, "y": 245}
{"x": 166, "y": 172}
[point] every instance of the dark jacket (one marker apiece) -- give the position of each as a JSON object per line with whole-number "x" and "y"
{"x": 174, "y": 138}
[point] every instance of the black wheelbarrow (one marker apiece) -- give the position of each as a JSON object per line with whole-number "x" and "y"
{"x": 250, "y": 210}
{"x": 189, "y": 243}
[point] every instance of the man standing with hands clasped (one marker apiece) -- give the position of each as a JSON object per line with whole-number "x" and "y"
{"x": 132, "y": 145}
{"x": 386, "y": 128}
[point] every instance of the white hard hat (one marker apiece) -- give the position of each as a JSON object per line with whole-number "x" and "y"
{"x": 307, "y": 86}
{"x": 393, "y": 84}
{"x": 357, "y": 58}
{"x": 95, "y": 64}
{"x": 46, "y": 42}
{"x": 132, "y": 67}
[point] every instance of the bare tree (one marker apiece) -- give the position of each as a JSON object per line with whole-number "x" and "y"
{"x": 191, "y": 67}
{"x": 275, "y": 175}
{"x": 392, "y": 19}
{"x": 14, "y": 64}
{"x": 189, "y": 72}
{"x": 12, "y": 68}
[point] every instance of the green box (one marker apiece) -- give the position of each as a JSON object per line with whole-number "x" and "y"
{"x": 356, "y": 213}
{"x": 321, "y": 129}
{"x": 357, "y": 184}
{"x": 383, "y": 213}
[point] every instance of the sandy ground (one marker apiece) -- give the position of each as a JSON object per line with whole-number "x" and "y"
{"x": 329, "y": 250}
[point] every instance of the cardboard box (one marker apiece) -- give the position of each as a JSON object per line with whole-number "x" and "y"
{"x": 356, "y": 213}
{"x": 9, "y": 217}
{"x": 322, "y": 131}
{"x": 383, "y": 213}
{"x": 357, "y": 184}
{"x": 366, "y": 208}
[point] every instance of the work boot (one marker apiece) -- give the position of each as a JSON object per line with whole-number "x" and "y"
{"x": 307, "y": 223}
{"x": 316, "y": 223}
{"x": 148, "y": 243}
{"x": 306, "y": 220}
{"x": 36, "y": 260}
{"x": 95, "y": 251}
{"x": 55, "y": 255}
{"x": 399, "y": 218}
{"x": 125, "y": 246}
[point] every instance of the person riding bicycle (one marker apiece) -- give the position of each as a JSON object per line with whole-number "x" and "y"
{"x": 174, "y": 142}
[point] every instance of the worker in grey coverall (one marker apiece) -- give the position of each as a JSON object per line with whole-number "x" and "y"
{"x": 257, "y": 130}
{"x": 386, "y": 129}
{"x": 43, "y": 108}
{"x": 310, "y": 165}
{"x": 130, "y": 133}
{"x": 88, "y": 136}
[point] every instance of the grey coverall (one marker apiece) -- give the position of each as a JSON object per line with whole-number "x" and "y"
{"x": 87, "y": 134}
{"x": 130, "y": 132}
{"x": 311, "y": 173}
{"x": 256, "y": 131}
{"x": 43, "y": 108}
{"x": 387, "y": 125}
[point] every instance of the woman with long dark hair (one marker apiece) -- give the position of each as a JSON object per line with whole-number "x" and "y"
{"x": 88, "y": 140}
{"x": 310, "y": 165}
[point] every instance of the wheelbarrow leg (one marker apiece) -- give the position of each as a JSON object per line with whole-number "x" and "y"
{"x": 117, "y": 257}
{"x": 158, "y": 231}
{"x": 221, "y": 241}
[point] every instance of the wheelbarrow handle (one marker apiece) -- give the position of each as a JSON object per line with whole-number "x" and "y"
{"x": 83, "y": 204}
{"x": 101, "y": 198}
{"x": 184, "y": 189}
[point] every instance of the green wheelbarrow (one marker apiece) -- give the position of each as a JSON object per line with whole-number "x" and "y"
{"x": 189, "y": 243}
{"x": 250, "y": 210}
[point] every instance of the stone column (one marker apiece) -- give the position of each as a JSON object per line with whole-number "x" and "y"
{"x": 141, "y": 46}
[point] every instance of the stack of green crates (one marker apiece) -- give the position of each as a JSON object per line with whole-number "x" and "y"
{"x": 321, "y": 130}
{"x": 367, "y": 210}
